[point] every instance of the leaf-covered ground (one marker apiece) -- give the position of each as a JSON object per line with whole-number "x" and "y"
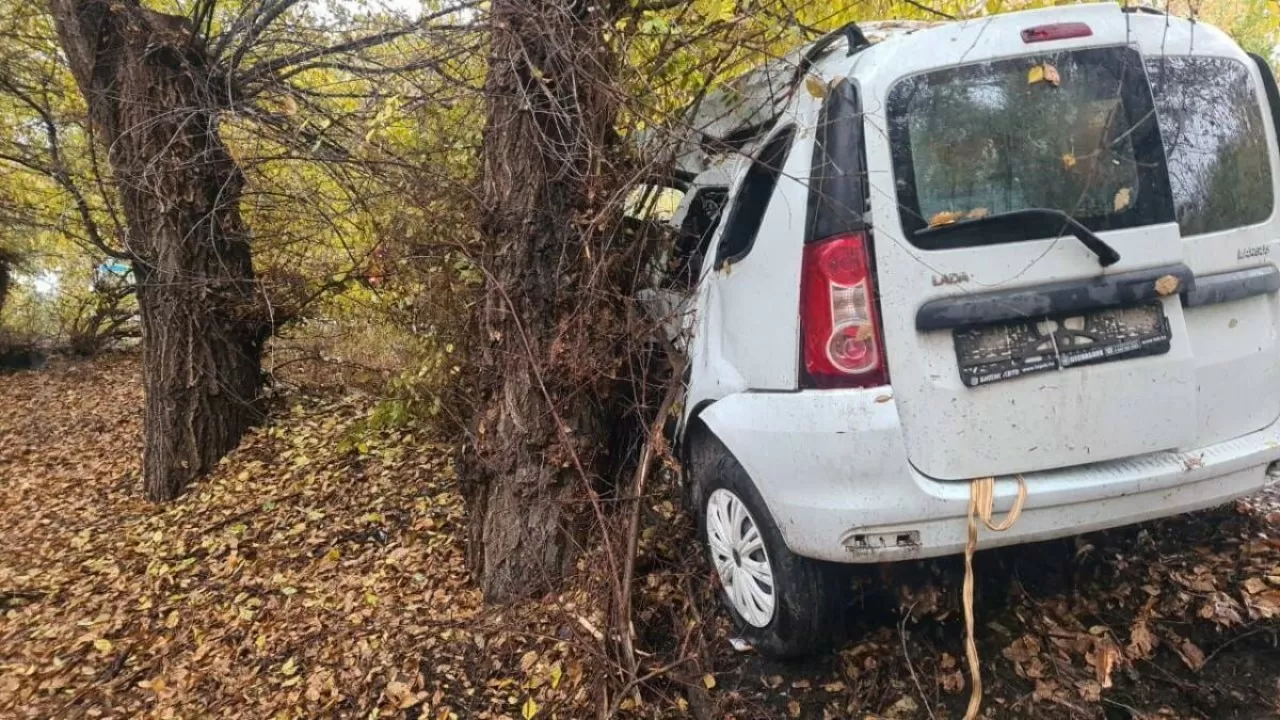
{"x": 319, "y": 572}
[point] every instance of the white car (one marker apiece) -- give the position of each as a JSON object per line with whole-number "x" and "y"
{"x": 1039, "y": 245}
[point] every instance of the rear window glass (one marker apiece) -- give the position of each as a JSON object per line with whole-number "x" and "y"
{"x": 1071, "y": 131}
{"x": 1211, "y": 123}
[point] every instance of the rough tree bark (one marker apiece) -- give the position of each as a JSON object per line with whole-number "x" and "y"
{"x": 540, "y": 432}
{"x": 146, "y": 82}
{"x": 5, "y": 262}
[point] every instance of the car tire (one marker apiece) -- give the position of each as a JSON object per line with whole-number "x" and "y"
{"x": 783, "y": 604}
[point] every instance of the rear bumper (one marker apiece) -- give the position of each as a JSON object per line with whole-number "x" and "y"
{"x": 833, "y": 470}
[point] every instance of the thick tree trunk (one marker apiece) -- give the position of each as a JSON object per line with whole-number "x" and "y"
{"x": 550, "y": 112}
{"x": 4, "y": 278}
{"x": 152, "y": 105}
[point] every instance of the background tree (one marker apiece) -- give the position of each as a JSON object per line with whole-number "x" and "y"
{"x": 7, "y": 260}
{"x": 158, "y": 87}
{"x": 153, "y": 102}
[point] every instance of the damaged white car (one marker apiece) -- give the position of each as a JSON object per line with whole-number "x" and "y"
{"x": 1038, "y": 246}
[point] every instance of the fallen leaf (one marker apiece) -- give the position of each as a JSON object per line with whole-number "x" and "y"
{"x": 1043, "y": 72}
{"x": 952, "y": 682}
{"x": 905, "y": 707}
{"x": 1022, "y": 649}
{"x": 946, "y": 217}
{"x": 1191, "y": 654}
{"x": 709, "y": 680}
{"x": 102, "y": 645}
{"x": 1254, "y": 585}
{"x": 976, "y": 213}
{"x": 529, "y": 709}
{"x": 1107, "y": 657}
{"x": 1045, "y": 690}
{"x": 528, "y": 660}
{"x": 1165, "y": 285}
{"x": 1141, "y": 641}
{"x": 815, "y": 86}
{"x": 402, "y": 695}
{"x": 1090, "y": 690}
{"x": 1069, "y": 160}
{"x": 1122, "y": 199}
{"x": 793, "y": 708}
{"x": 834, "y": 687}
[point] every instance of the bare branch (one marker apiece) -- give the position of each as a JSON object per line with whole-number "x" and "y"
{"x": 267, "y": 68}
{"x": 270, "y": 12}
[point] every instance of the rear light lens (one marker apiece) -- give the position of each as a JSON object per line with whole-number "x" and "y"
{"x": 1057, "y": 31}
{"x": 839, "y": 314}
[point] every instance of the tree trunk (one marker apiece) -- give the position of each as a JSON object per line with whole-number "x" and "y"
{"x": 4, "y": 278}
{"x": 540, "y": 430}
{"x": 152, "y": 104}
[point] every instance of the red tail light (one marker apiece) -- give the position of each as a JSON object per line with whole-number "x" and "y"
{"x": 840, "y": 316}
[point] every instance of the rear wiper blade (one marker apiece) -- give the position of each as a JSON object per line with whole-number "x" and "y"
{"x": 1107, "y": 255}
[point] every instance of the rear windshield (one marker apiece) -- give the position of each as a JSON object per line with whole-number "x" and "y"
{"x": 1073, "y": 131}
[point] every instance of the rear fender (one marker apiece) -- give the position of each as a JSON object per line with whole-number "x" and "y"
{"x": 807, "y": 452}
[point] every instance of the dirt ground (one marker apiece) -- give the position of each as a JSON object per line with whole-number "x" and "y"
{"x": 319, "y": 573}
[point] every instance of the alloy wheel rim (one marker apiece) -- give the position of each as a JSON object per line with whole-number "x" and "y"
{"x": 740, "y": 559}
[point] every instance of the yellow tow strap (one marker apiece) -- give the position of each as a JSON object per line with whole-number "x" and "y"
{"x": 982, "y": 494}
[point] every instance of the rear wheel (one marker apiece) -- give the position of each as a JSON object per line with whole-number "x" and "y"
{"x": 783, "y": 604}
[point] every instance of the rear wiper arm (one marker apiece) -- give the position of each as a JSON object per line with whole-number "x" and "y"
{"x": 1107, "y": 255}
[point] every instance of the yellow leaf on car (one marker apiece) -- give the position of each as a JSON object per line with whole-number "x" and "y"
{"x": 1123, "y": 196}
{"x": 815, "y": 86}
{"x": 1045, "y": 73}
{"x": 946, "y": 217}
